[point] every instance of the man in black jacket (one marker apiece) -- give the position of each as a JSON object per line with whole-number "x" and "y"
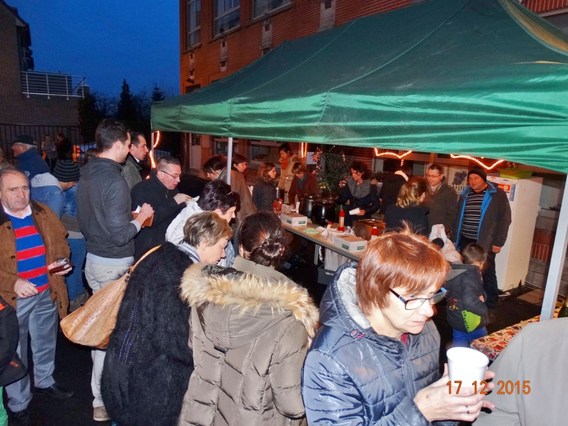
{"x": 160, "y": 191}
{"x": 484, "y": 216}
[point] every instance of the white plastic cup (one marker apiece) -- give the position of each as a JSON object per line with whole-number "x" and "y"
{"x": 467, "y": 365}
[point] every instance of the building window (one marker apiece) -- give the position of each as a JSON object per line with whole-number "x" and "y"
{"x": 221, "y": 146}
{"x": 193, "y": 22}
{"x": 227, "y": 15}
{"x": 262, "y": 7}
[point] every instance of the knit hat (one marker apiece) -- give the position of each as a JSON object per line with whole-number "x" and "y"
{"x": 479, "y": 172}
{"x": 66, "y": 171}
{"x": 24, "y": 139}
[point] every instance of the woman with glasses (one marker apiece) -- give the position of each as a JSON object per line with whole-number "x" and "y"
{"x": 356, "y": 192}
{"x": 375, "y": 358}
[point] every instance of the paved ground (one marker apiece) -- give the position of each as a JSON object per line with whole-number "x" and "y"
{"x": 73, "y": 363}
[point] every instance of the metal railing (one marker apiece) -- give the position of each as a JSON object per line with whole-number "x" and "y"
{"x": 53, "y": 84}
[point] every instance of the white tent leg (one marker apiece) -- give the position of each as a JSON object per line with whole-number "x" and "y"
{"x": 229, "y": 159}
{"x": 556, "y": 261}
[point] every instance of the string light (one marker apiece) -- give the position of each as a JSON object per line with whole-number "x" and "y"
{"x": 303, "y": 149}
{"x": 479, "y": 162}
{"x": 391, "y": 154}
{"x": 151, "y": 153}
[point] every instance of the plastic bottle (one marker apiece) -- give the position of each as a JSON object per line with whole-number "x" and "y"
{"x": 341, "y": 222}
{"x": 374, "y": 233}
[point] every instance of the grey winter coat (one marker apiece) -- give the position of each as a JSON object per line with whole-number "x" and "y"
{"x": 250, "y": 335}
{"x": 103, "y": 209}
{"x": 354, "y": 376}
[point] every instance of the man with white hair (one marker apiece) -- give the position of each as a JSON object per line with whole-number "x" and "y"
{"x": 33, "y": 239}
{"x": 44, "y": 186}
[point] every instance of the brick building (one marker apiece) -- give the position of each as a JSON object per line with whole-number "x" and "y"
{"x": 218, "y": 38}
{"x": 31, "y": 102}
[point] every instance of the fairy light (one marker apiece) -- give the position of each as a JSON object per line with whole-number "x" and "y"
{"x": 303, "y": 149}
{"x": 156, "y": 137}
{"x": 391, "y": 154}
{"x": 479, "y": 162}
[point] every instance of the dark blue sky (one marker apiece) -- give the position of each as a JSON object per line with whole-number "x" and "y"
{"x": 107, "y": 41}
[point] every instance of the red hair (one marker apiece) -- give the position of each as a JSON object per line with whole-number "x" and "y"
{"x": 398, "y": 259}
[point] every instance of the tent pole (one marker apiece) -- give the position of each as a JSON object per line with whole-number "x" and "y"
{"x": 229, "y": 160}
{"x": 557, "y": 261}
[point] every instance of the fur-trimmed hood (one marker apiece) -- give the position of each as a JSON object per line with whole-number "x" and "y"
{"x": 235, "y": 307}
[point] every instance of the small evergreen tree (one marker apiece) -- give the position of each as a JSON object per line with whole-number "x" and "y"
{"x": 126, "y": 109}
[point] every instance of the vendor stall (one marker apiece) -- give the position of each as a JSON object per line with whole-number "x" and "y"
{"x": 478, "y": 77}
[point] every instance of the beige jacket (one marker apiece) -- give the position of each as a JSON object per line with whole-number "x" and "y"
{"x": 250, "y": 335}
{"x": 530, "y": 378}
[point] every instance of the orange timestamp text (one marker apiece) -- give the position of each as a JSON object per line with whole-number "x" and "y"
{"x": 503, "y": 387}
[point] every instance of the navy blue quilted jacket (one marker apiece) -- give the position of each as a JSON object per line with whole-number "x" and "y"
{"x": 354, "y": 376}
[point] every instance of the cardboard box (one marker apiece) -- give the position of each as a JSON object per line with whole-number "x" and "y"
{"x": 294, "y": 219}
{"x": 350, "y": 242}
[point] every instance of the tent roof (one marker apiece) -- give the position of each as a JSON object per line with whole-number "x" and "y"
{"x": 482, "y": 77}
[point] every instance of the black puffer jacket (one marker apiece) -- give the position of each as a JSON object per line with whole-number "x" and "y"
{"x": 148, "y": 360}
{"x": 465, "y": 308}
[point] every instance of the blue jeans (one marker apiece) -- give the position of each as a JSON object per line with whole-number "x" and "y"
{"x": 37, "y": 318}
{"x": 463, "y": 339}
{"x": 52, "y": 196}
{"x": 74, "y": 280}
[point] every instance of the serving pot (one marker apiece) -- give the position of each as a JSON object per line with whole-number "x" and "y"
{"x": 362, "y": 228}
{"x": 307, "y": 205}
{"x": 323, "y": 212}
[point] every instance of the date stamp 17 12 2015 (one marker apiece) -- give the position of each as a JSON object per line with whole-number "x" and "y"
{"x": 503, "y": 387}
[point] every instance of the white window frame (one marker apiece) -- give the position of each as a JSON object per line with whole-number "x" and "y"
{"x": 228, "y": 7}
{"x": 261, "y": 8}
{"x": 193, "y": 35}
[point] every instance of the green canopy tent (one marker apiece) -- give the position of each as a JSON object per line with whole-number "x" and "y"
{"x": 478, "y": 77}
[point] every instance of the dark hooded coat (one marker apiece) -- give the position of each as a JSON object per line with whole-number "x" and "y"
{"x": 148, "y": 361}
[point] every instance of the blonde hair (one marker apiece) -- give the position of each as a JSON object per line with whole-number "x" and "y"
{"x": 411, "y": 192}
{"x": 206, "y": 227}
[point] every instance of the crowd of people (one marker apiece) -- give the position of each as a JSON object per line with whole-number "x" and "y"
{"x": 209, "y": 330}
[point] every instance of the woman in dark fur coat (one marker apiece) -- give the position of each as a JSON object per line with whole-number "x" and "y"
{"x": 148, "y": 361}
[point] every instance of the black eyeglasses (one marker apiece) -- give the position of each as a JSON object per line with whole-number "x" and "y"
{"x": 169, "y": 174}
{"x": 415, "y": 303}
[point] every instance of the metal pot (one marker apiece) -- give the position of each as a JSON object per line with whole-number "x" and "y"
{"x": 307, "y": 205}
{"x": 323, "y": 212}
